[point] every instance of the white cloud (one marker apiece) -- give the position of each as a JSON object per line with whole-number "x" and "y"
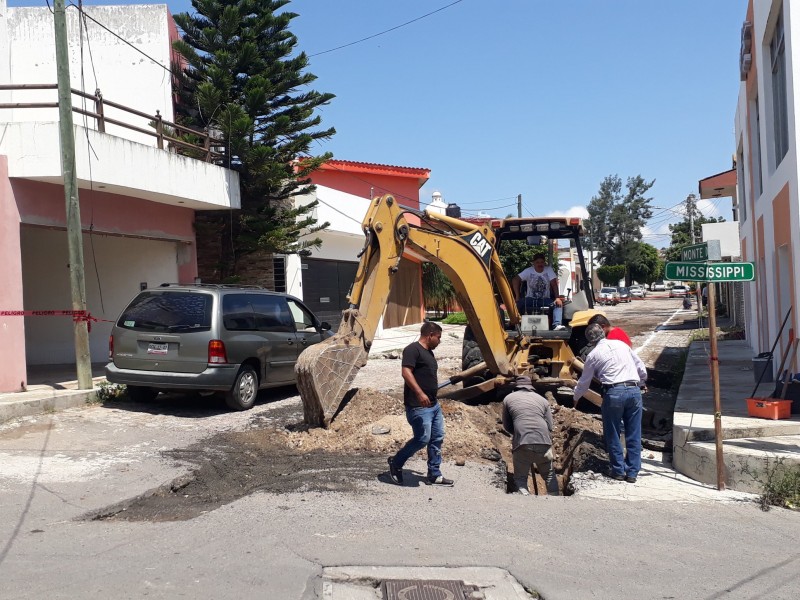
{"x": 573, "y": 211}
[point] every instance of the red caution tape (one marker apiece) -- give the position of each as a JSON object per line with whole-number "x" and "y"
{"x": 77, "y": 315}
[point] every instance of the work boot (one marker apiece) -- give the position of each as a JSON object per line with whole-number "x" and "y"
{"x": 395, "y": 474}
{"x": 440, "y": 481}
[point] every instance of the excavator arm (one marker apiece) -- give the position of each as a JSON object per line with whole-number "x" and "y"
{"x": 466, "y": 253}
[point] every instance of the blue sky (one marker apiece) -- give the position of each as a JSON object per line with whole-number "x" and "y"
{"x": 530, "y": 97}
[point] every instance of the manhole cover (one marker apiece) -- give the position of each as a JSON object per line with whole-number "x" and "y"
{"x": 426, "y": 589}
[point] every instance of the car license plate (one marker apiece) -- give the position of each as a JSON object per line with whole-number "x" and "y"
{"x": 157, "y": 348}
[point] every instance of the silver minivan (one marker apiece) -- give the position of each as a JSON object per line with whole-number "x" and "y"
{"x": 204, "y": 337}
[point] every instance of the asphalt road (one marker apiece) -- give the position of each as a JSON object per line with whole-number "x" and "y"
{"x": 57, "y": 468}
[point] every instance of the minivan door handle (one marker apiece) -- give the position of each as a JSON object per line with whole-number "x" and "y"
{"x": 290, "y": 341}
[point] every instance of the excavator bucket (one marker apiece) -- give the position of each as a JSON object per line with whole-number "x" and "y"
{"x": 326, "y": 370}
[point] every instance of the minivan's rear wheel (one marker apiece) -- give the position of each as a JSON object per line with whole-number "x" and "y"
{"x": 139, "y": 393}
{"x": 244, "y": 391}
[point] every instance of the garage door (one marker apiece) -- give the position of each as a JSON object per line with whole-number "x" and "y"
{"x": 326, "y": 284}
{"x": 115, "y": 267}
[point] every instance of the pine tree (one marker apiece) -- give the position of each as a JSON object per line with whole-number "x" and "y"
{"x": 245, "y": 82}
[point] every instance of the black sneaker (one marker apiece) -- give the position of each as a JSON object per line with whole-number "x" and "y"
{"x": 616, "y": 476}
{"x": 440, "y": 481}
{"x": 394, "y": 473}
{"x": 630, "y": 479}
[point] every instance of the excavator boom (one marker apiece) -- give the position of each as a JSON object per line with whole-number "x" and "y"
{"x": 465, "y": 252}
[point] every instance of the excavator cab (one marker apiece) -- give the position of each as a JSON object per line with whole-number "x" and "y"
{"x": 550, "y": 351}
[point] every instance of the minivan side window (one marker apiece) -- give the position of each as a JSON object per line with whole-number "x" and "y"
{"x": 303, "y": 320}
{"x": 237, "y": 313}
{"x": 272, "y": 313}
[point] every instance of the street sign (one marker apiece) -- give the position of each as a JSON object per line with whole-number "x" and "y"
{"x": 709, "y": 250}
{"x": 692, "y": 271}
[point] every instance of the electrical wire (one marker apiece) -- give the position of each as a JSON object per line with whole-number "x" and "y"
{"x": 386, "y": 30}
{"x": 89, "y": 149}
{"x": 119, "y": 37}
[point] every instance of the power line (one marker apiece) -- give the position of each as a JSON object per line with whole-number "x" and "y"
{"x": 386, "y": 30}
{"x": 119, "y": 37}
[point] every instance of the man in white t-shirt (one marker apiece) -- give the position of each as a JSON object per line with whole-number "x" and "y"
{"x": 542, "y": 289}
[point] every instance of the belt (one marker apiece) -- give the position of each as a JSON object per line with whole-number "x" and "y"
{"x": 608, "y": 386}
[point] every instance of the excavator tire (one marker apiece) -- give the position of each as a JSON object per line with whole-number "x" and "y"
{"x": 324, "y": 374}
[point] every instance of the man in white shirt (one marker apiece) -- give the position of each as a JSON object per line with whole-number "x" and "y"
{"x": 621, "y": 373}
{"x": 542, "y": 289}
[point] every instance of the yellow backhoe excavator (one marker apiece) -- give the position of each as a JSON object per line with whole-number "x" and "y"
{"x": 468, "y": 255}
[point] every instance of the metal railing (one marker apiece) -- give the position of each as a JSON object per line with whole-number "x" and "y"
{"x": 162, "y": 130}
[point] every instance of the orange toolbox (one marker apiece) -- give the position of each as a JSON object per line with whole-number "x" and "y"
{"x": 769, "y": 408}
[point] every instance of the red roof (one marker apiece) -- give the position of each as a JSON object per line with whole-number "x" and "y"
{"x": 351, "y": 166}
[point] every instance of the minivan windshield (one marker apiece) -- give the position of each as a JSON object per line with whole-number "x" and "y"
{"x": 608, "y": 290}
{"x": 168, "y": 311}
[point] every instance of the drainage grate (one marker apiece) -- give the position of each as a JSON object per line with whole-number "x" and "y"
{"x": 426, "y": 589}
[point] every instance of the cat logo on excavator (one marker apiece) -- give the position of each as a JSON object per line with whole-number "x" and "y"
{"x": 481, "y": 245}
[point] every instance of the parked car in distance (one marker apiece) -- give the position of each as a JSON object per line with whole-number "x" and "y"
{"x": 214, "y": 338}
{"x": 659, "y": 287}
{"x": 638, "y": 291}
{"x": 678, "y": 291}
{"x": 624, "y": 294}
{"x": 608, "y": 295}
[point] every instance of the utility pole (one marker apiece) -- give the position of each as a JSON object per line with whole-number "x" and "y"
{"x": 83, "y": 360}
{"x": 519, "y": 205}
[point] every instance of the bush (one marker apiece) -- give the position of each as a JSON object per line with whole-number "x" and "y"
{"x": 782, "y": 489}
{"x": 458, "y": 318}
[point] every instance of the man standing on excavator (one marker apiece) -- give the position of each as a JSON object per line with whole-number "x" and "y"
{"x": 542, "y": 289}
{"x": 423, "y": 411}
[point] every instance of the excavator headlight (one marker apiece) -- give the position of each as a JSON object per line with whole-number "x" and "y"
{"x": 526, "y": 227}
{"x": 542, "y": 227}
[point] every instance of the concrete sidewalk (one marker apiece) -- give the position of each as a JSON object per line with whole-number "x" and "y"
{"x": 50, "y": 387}
{"x": 752, "y": 447}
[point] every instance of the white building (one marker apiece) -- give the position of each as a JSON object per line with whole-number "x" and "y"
{"x": 137, "y": 200}
{"x": 323, "y": 279}
{"x": 767, "y": 199}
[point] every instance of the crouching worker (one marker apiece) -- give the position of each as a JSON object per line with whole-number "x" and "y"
{"x": 527, "y": 416}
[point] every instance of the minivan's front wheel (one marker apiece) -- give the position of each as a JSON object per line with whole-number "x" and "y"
{"x": 244, "y": 391}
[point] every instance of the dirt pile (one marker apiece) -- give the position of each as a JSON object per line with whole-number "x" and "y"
{"x": 372, "y": 422}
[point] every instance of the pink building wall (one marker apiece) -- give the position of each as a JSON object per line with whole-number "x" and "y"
{"x": 32, "y": 203}
{"x": 43, "y": 204}
{"x": 13, "y": 375}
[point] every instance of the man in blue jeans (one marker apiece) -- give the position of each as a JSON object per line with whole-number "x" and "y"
{"x": 423, "y": 411}
{"x": 622, "y": 375}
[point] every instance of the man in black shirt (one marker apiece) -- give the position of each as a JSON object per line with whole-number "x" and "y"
{"x": 423, "y": 411}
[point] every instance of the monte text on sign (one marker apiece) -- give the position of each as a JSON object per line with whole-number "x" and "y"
{"x": 687, "y": 271}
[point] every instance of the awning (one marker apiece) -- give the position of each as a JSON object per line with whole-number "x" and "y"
{"x": 721, "y": 185}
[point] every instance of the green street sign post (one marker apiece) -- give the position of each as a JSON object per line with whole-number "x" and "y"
{"x": 710, "y": 272}
{"x": 710, "y": 250}
{"x": 697, "y": 265}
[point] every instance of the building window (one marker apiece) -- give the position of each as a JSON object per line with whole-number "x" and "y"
{"x": 755, "y": 147}
{"x": 741, "y": 188}
{"x": 279, "y": 273}
{"x": 780, "y": 119}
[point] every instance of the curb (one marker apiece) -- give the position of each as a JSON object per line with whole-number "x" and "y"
{"x": 44, "y": 402}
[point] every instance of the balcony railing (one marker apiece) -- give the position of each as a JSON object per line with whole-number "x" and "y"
{"x": 162, "y": 130}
